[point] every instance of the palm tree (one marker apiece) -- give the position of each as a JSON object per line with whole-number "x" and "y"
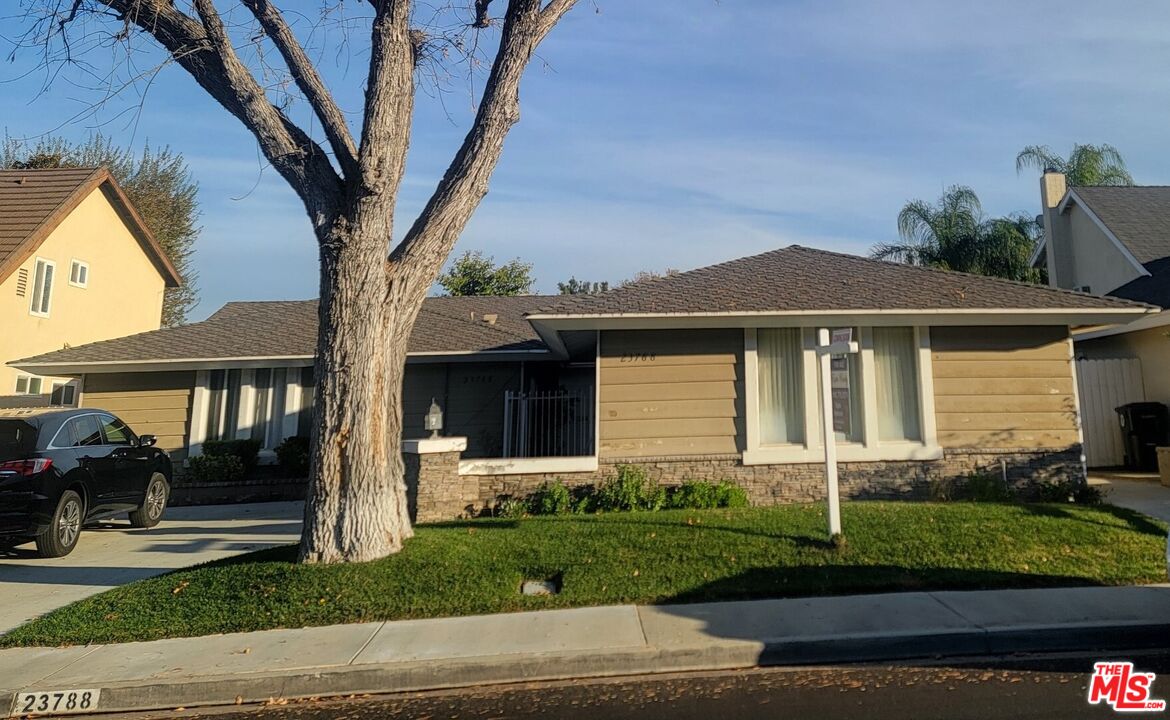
{"x": 944, "y": 235}
{"x": 952, "y": 234}
{"x": 1086, "y": 164}
{"x": 1007, "y": 247}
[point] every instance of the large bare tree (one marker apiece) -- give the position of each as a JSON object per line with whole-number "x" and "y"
{"x": 370, "y": 293}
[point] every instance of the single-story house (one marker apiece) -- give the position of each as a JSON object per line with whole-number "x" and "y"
{"x": 707, "y": 374}
{"x": 1112, "y": 241}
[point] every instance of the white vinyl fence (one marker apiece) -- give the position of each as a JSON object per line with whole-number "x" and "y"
{"x": 1105, "y": 385}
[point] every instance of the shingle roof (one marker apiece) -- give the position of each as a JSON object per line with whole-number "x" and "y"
{"x": 799, "y": 279}
{"x": 289, "y": 329}
{"x": 1153, "y": 288}
{"x": 34, "y": 202}
{"x": 1139, "y": 216}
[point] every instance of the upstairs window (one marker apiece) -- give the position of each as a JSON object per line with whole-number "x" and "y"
{"x": 79, "y": 274}
{"x": 28, "y": 385}
{"x": 42, "y": 287}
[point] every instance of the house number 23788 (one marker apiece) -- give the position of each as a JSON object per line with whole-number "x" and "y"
{"x": 639, "y": 357}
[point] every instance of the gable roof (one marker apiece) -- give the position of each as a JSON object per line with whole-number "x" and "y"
{"x": 287, "y": 330}
{"x": 1138, "y": 216}
{"x": 797, "y": 279}
{"x": 34, "y": 202}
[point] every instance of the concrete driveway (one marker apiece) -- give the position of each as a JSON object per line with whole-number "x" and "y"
{"x": 115, "y": 554}
{"x": 1144, "y": 495}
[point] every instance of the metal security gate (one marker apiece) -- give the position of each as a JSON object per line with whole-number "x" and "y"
{"x": 548, "y": 424}
{"x": 1105, "y": 385}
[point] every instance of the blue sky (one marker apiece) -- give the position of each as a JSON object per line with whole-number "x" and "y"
{"x": 678, "y": 133}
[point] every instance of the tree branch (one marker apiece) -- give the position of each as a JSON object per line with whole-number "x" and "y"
{"x": 386, "y": 123}
{"x": 551, "y": 13}
{"x": 430, "y": 239}
{"x": 203, "y": 49}
{"x": 305, "y": 74}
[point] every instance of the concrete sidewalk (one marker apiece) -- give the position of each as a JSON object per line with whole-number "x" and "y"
{"x": 588, "y": 642}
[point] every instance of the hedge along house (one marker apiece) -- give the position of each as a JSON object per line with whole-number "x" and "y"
{"x": 708, "y": 374}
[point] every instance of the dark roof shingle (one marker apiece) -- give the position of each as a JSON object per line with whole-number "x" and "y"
{"x": 799, "y": 279}
{"x": 289, "y": 329}
{"x": 1139, "y": 216}
{"x": 34, "y": 202}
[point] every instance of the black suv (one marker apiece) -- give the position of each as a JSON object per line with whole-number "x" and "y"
{"x": 61, "y": 468}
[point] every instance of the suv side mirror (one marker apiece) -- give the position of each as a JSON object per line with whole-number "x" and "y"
{"x": 146, "y": 440}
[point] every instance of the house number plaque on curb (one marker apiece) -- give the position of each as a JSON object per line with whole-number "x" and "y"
{"x": 55, "y": 702}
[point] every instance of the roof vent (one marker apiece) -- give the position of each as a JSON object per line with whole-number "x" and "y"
{"x": 490, "y": 318}
{"x": 21, "y": 180}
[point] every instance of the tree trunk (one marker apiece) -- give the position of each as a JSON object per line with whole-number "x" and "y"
{"x": 356, "y": 508}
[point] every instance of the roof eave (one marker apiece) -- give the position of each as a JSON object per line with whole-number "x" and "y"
{"x": 547, "y": 323}
{"x": 68, "y": 368}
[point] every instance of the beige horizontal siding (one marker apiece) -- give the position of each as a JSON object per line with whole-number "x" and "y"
{"x": 670, "y": 393}
{"x": 157, "y": 403}
{"x": 1004, "y": 387}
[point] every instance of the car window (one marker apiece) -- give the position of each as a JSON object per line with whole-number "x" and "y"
{"x": 85, "y": 431}
{"x": 116, "y": 431}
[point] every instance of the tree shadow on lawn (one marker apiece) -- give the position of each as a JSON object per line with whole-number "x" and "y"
{"x": 808, "y": 581}
{"x": 1135, "y": 520}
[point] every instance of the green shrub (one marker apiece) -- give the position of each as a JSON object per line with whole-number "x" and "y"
{"x": 508, "y": 506}
{"x": 632, "y": 489}
{"x": 584, "y": 499}
{"x": 701, "y": 495}
{"x": 293, "y": 456}
{"x": 976, "y": 487}
{"x": 203, "y": 469}
{"x": 245, "y": 450}
{"x": 986, "y": 487}
{"x": 730, "y": 495}
{"x": 552, "y": 498}
{"x": 1069, "y": 491}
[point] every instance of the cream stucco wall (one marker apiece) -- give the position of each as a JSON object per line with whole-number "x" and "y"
{"x": 1095, "y": 260}
{"x": 124, "y": 294}
{"x": 1151, "y": 346}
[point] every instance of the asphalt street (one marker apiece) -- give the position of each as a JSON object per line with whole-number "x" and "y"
{"x": 1048, "y": 687}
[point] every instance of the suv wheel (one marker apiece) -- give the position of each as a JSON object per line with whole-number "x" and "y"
{"x": 61, "y": 537}
{"x": 154, "y": 504}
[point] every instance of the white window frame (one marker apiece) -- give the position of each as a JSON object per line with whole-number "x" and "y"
{"x": 28, "y": 381}
{"x": 81, "y": 264}
{"x": 66, "y": 387}
{"x": 870, "y": 449}
{"x": 35, "y": 295}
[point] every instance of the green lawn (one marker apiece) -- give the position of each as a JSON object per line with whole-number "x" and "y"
{"x": 674, "y": 556}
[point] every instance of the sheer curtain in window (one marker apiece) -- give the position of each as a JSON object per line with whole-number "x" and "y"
{"x": 781, "y": 364}
{"x": 896, "y": 367}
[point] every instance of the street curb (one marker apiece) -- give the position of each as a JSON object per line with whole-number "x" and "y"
{"x": 720, "y": 654}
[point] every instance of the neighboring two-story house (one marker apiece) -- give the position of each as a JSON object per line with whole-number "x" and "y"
{"x": 1112, "y": 241}
{"x": 77, "y": 265}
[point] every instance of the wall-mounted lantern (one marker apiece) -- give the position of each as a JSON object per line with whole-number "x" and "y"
{"x": 434, "y": 419}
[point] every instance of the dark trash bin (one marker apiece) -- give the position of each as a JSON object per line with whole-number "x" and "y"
{"x": 1144, "y": 427}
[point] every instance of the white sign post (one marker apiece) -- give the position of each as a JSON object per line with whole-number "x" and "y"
{"x": 840, "y": 343}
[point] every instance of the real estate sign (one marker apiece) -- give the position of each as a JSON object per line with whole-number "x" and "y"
{"x": 839, "y": 366}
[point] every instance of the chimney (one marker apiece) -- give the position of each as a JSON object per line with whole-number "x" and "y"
{"x": 1053, "y": 187}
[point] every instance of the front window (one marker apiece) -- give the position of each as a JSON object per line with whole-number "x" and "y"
{"x": 781, "y": 382}
{"x": 42, "y": 287}
{"x": 896, "y": 367}
{"x": 878, "y": 396}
